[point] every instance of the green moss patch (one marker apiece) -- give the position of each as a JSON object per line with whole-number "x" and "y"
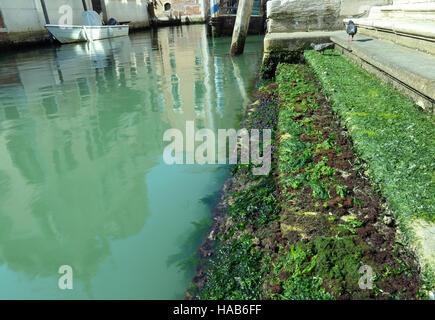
{"x": 237, "y": 266}
{"x": 306, "y": 269}
{"x": 235, "y": 272}
{"x": 269, "y": 64}
{"x": 331, "y": 217}
{"x": 393, "y": 136}
{"x": 305, "y": 230}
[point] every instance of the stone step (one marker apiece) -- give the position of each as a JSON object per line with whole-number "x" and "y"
{"x": 409, "y": 71}
{"x": 417, "y": 34}
{"x": 419, "y": 11}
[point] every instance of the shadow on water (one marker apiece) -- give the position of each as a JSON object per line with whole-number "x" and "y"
{"x": 187, "y": 258}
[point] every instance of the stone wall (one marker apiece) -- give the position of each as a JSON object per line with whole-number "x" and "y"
{"x": 309, "y": 15}
{"x": 134, "y": 11}
{"x": 410, "y": 1}
{"x": 360, "y": 8}
{"x": 406, "y": 9}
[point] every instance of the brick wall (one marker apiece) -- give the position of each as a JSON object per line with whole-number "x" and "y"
{"x": 1, "y": 20}
{"x": 182, "y": 8}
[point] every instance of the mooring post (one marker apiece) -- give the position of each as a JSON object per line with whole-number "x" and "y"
{"x": 44, "y": 9}
{"x": 84, "y": 5}
{"x": 241, "y": 26}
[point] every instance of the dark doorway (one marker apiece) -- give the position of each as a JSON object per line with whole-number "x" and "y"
{"x": 1, "y": 20}
{"x": 96, "y": 5}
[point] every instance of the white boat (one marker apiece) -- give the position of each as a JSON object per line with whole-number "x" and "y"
{"x": 92, "y": 29}
{"x": 69, "y": 34}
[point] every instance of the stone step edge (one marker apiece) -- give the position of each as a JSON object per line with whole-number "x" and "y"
{"x": 409, "y": 79}
{"x": 424, "y": 30}
{"x": 406, "y": 38}
{"x": 407, "y": 7}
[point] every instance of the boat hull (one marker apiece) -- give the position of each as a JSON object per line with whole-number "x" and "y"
{"x": 70, "y": 34}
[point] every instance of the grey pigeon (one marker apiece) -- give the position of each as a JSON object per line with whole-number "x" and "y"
{"x": 322, "y": 46}
{"x": 351, "y": 30}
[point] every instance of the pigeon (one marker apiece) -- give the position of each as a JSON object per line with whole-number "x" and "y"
{"x": 322, "y": 46}
{"x": 351, "y": 30}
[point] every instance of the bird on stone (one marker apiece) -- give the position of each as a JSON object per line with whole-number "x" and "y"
{"x": 322, "y": 46}
{"x": 351, "y": 30}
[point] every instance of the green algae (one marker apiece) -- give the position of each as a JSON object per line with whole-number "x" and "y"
{"x": 390, "y": 133}
{"x": 393, "y": 136}
{"x": 238, "y": 269}
{"x": 296, "y": 165}
{"x": 271, "y": 61}
{"x": 323, "y": 267}
{"x": 328, "y": 261}
{"x": 325, "y": 262}
{"x": 257, "y": 204}
{"x": 235, "y": 272}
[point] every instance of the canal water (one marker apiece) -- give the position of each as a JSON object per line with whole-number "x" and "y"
{"x": 82, "y": 177}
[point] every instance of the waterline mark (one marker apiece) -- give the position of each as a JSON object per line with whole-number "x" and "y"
{"x": 243, "y": 147}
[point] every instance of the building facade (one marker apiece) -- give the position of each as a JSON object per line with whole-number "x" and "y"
{"x": 184, "y": 10}
{"x": 23, "y": 21}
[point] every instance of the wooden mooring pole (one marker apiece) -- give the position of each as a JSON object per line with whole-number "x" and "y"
{"x": 84, "y": 5}
{"x": 241, "y": 26}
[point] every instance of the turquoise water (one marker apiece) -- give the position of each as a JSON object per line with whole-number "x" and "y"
{"x": 82, "y": 179}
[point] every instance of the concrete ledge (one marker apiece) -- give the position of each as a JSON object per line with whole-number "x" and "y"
{"x": 14, "y": 40}
{"x": 289, "y": 47}
{"x": 424, "y": 244}
{"x": 423, "y": 29}
{"x": 409, "y": 71}
{"x": 224, "y": 24}
{"x": 424, "y": 10}
{"x": 294, "y": 41}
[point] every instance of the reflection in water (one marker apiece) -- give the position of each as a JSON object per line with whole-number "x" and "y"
{"x": 82, "y": 181}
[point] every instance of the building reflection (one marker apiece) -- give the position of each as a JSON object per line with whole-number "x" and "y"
{"x": 80, "y": 126}
{"x": 73, "y": 166}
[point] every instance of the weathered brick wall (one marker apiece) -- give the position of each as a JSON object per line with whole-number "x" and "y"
{"x": 181, "y": 8}
{"x": 1, "y": 20}
{"x": 185, "y": 8}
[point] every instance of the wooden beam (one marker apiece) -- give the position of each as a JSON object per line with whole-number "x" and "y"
{"x": 244, "y": 10}
{"x": 44, "y": 9}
